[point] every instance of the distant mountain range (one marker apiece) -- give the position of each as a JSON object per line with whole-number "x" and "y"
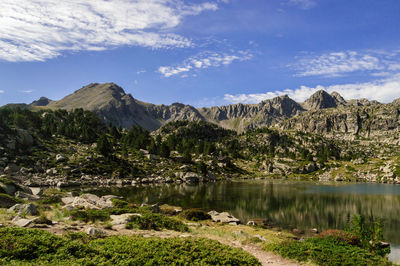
{"x": 321, "y": 113}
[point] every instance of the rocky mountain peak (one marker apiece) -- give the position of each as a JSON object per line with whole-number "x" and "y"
{"x": 338, "y": 98}
{"x": 285, "y": 105}
{"x": 396, "y": 102}
{"x": 43, "y": 101}
{"x": 321, "y": 100}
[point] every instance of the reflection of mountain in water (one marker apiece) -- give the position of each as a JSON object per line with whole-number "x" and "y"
{"x": 291, "y": 204}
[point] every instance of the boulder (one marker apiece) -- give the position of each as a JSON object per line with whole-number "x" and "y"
{"x": 122, "y": 218}
{"x": 191, "y": 178}
{"x": 6, "y": 201}
{"x": 251, "y": 223}
{"x": 26, "y": 209}
{"x": 24, "y": 138}
{"x": 26, "y": 196}
{"x": 89, "y": 201}
{"x": 223, "y": 217}
{"x": 96, "y": 232}
{"x": 60, "y": 158}
{"x": 22, "y": 222}
{"x": 11, "y": 169}
{"x": 9, "y": 189}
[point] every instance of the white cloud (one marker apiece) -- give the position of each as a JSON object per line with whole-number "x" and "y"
{"x": 383, "y": 90}
{"x": 205, "y": 60}
{"x": 140, "y": 71}
{"x": 1, "y": 91}
{"x": 36, "y": 30}
{"x": 27, "y": 91}
{"x": 303, "y": 4}
{"x": 338, "y": 63}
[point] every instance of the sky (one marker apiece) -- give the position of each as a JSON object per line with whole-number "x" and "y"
{"x": 203, "y": 52}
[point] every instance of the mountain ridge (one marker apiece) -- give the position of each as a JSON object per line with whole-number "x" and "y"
{"x": 115, "y": 106}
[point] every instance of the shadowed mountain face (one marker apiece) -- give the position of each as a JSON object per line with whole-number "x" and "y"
{"x": 322, "y": 112}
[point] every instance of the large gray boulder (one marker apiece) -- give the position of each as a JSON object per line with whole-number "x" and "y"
{"x": 6, "y": 201}
{"x": 89, "y": 201}
{"x": 223, "y": 217}
{"x": 26, "y": 209}
{"x": 9, "y": 189}
{"x": 11, "y": 169}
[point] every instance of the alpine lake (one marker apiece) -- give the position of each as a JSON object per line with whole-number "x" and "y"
{"x": 288, "y": 204}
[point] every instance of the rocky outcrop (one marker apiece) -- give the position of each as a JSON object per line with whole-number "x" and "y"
{"x": 368, "y": 121}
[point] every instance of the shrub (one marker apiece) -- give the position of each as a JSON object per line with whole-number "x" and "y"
{"x": 117, "y": 203}
{"x": 327, "y": 251}
{"x": 370, "y": 234}
{"x": 51, "y": 199}
{"x": 90, "y": 215}
{"x": 154, "y": 221}
{"x": 195, "y": 215}
{"x": 20, "y": 246}
{"x": 340, "y": 235}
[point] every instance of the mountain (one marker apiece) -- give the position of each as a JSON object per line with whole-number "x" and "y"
{"x": 321, "y": 113}
{"x": 43, "y": 101}
{"x": 322, "y": 100}
{"x": 114, "y": 106}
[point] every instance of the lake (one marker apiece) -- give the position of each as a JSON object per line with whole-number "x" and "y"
{"x": 302, "y": 205}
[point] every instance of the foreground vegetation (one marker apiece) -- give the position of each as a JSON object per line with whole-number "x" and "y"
{"x": 360, "y": 244}
{"x": 33, "y": 247}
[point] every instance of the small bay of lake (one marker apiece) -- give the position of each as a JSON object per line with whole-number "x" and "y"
{"x": 302, "y": 205}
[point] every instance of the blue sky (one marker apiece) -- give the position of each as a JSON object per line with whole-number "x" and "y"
{"x": 203, "y": 53}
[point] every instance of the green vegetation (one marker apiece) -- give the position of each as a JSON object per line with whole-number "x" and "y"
{"x": 359, "y": 245}
{"x": 327, "y": 251}
{"x": 154, "y": 221}
{"x": 195, "y": 215}
{"x": 90, "y": 215}
{"x": 32, "y": 247}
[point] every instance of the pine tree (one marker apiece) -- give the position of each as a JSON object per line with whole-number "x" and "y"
{"x": 104, "y": 146}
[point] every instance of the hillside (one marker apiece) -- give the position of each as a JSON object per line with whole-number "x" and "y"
{"x": 62, "y": 148}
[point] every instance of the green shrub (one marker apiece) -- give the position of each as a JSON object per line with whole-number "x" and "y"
{"x": 341, "y": 235}
{"x": 154, "y": 221}
{"x": 90, "y": 215}
{"x": 21, "y": 246}
{"x": 327, "y": 251}
{"x": 50, "y": 199}
{"x": 195, "y": 215}
{"x": 370, "y": 234}
{"x": 119, "y": 203}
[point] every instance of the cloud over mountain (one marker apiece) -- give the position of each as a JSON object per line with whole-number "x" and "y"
{"x": 383, "y": 90}
{"x": 205, "y": 60}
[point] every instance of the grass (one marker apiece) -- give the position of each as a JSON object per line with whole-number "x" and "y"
{"x": 19, "y": 246}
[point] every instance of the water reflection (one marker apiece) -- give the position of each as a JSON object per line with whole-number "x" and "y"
{"x": 299, "y": 204}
